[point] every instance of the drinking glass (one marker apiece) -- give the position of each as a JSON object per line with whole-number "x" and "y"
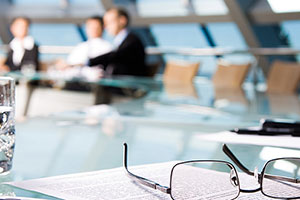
{"x": 7, "y": 123}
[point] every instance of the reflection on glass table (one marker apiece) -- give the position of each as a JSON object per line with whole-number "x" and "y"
{"x": 195, "y": 96}
{"x": 92, "y": 138}
{"x": 88, "y": 140}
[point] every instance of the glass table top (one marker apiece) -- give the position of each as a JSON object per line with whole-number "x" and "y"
{"x": 163, "y": 125}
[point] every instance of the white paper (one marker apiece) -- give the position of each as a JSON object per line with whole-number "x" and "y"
{"x": 230, "y": 137}
{"x": 17, "y": 198}
{"x": 115, "y": 184}
{"x": 104, "y": 184}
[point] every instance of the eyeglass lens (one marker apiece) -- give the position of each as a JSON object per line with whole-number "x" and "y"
{"x": 204, "y": 180}
{"x": 281, "y": 187}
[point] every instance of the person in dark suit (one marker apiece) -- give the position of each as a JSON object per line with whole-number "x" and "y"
{"x": 128, "y": 58}
{"x": 23, "y": 51}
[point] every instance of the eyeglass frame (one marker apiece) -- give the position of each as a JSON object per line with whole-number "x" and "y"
{"x": 228, "y": 152}
{"x": 261, "y": 175}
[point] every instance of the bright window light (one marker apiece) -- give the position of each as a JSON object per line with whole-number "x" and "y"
{"x": 280, "y": 6}
{"x": 268, "y": 153}
{"x": 160, "y": 8}
{"x": 34, "y": 2}
{"x": 286, "y": 166}
{"x": 211, "y": 7}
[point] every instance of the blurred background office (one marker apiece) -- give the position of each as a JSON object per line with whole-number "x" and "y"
{"x": 211, "y": 65}
{"x": 171, "y": 30}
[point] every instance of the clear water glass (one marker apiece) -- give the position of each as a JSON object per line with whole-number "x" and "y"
{"x": 7, "y": 123}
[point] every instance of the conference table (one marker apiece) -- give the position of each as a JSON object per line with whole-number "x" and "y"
{"x": 167, "y": 123}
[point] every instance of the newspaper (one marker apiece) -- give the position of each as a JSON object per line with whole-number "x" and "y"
{"x": 113, "y": 184}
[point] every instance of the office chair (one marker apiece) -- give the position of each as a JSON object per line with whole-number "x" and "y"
{"x": 230, "y": 75}
{"x": 180, "y": 71}
{"x": 178, "y": 78}
{"x": 2, "y": 60}
{"x": 283, "y": 77}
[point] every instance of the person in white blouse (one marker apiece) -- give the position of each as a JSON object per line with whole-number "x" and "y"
{"x": 23, "y": 51}
{"x": 91, "y": 48}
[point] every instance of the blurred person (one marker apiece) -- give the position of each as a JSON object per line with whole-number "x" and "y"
{"x": 128, "y": 56}
{"x": 75, "y": 65}
{"x": 23, "y": 54}
{"x": 23, "y": 51}
{"x": 93, "y": 47}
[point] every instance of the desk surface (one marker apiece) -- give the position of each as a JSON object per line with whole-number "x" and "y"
{"x": 162, "y": 126}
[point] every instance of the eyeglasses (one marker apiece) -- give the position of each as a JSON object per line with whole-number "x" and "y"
{"x": 216, "y": 179}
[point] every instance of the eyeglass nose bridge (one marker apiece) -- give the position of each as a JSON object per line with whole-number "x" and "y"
{"x": 256, "y": 174}
{"x": 235, "y": 182}
{"x": 233, "y": 178}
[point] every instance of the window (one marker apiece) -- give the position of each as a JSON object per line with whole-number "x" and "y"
{"x": 161, "y": 8}
{"x": 85, "y": 2}
{"x": 34, "y": 2}
{"x": 184, "y": 36}
{"x": 221, "y": 32}
{"x": 96, "y": 4}
{"x": 55, "y": 34}
{"x": 211, "y": 7}
{"x": 280, "y": 6}
{"x": 292, "y": 29}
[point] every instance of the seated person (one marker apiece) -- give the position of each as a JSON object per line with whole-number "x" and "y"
{"x": 128, "y": 58}
{"x": 93, "y": 47}
{"x": 79, "y": 56}
{"x": 23, "y": 51}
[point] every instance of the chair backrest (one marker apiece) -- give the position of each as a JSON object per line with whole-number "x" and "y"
{"x": 283, "y": 77}
{"x": 230, "y": 75}
{"x": 2, "y": 60}
{"x": 179, "y": 71}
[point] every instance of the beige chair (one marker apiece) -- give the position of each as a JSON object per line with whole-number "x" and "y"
{"x": 178, "y": 78}
{"x": 283, "y": 77}
{"x": 2, "y": 60}
{"x": 180, "y": 72}
{"x": 230, "y": 75}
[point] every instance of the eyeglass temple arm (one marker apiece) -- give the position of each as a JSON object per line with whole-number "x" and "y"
{"x": 229, "y": 153}
{"x": 281, "y": 178}
{"x": 142, "y": 180}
